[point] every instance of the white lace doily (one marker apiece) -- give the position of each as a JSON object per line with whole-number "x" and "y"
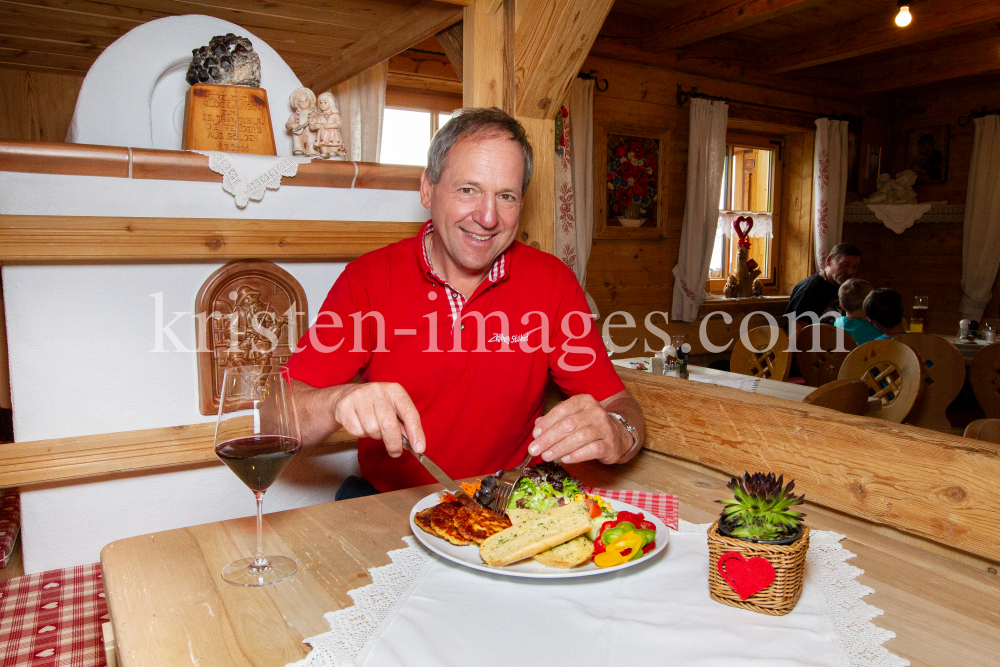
{"x": 247, "y": 177}
{"x": 353, "y": 631}
{"x": 899, "y": 217}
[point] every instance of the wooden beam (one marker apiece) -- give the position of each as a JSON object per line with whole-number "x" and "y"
{"x": 878, "y": 33}
{"x": 424, "y": 19}
{"x": 922, "y": 482}
{"x": 482, "y": 56}
{"x": 552, "y": 41}
{"x": 702, "y": 20}
{"x": 54, "y": 238}
{"x": 57, "y": 460}
{"x": 451, "y": 41}
{"x": 982, "y": 57}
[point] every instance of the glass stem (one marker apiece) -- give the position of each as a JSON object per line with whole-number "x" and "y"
{"x": 260, "y": 561}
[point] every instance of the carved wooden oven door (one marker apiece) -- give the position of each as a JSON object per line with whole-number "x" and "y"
{"x": 248, "y": 313}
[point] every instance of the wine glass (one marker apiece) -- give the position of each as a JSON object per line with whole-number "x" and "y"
{"x": 257, "y": 435}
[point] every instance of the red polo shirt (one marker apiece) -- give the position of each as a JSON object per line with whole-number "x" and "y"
{"x": 478, "y": 396}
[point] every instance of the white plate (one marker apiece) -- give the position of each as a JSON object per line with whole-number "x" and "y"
{"x": 469, "y": 555}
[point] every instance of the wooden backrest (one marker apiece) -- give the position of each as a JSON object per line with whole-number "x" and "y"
{"x": 819, "y": 360}
{"x": 773, "y": 363}
{"x": 984, "y": 429}
{"x": 944, "y": 375}
{"x": 985, "y": 376}
{"x": 893, "y": 373}
{"x": 847, "y": 396}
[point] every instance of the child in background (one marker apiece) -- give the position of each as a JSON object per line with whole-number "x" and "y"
{"x": 884, "y": 307}
{"x": 852, "y": 298}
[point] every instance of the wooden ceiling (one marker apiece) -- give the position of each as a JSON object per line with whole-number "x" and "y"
{"x": 838, "y": 48}
{"x": 843, "y": 49}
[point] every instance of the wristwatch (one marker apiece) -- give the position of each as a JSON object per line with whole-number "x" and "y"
{"x": 631, "y": 431}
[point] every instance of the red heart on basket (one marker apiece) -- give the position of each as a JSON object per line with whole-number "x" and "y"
{"x": 746, "y": 577}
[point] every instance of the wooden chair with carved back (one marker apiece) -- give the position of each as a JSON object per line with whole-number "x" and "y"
{"x": 985, "y": 377}
{"x": 847, "y": 396}
{"x": 821, "y": 354}
{"x": 772, "y": 363}
{"x": 984, "y": 429}
{"x": 893, "y": 372}
{"x": 944, "y": 375}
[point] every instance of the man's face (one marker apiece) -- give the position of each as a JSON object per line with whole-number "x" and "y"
{"x": 477, "y": 203}
{"x": 843, "y": 267}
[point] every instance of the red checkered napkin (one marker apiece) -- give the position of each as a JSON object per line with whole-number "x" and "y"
{"x": 53, "y": 619}
{"x": 10, "y": 523}
{"x": 662, "y": 505}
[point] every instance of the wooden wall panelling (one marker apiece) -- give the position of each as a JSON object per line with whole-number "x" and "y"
{"x": 36, "y": 105}
{"x": 451, "y": 41}
{"x": 925, "y": 260}
{"x": 795, "y": 241}
{"x": 923, "y": 482}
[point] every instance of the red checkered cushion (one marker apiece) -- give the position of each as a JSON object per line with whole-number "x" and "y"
{"x": 53, "y": 619}
{"x": 662, "y": 505}
{"x": 10, "y": 523}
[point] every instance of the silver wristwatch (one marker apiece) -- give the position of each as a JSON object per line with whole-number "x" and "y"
{"x": 631, "y": 431}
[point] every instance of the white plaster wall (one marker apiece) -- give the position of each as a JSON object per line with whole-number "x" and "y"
{"x": 81, "y": 341}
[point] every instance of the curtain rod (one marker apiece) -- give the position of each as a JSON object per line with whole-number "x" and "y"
{"x": 592, "y": 76}
{"x": 965, "y": 120}
{"x": 683, "y": 96}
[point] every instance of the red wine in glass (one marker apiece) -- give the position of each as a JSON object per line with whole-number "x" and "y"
{"x": 258, "y": 459}
{"x": 256, "y": 436}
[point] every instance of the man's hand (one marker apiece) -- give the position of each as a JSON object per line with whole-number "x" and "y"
{"x": 579, "y": 429}
{"x": 374, "y": 410}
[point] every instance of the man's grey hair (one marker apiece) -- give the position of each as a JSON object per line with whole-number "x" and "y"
{"x": 469, "y": 122}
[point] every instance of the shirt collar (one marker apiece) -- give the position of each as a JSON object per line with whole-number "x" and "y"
{"x": 499, "y": 271}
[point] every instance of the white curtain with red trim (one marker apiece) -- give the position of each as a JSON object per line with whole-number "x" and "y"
{"x": 574, "y": 225}
{"x": 981, "y": 239}
{"x": 361, "y": 102}
{"x": 706, "y": 162}
{"x": 829, "y": 186}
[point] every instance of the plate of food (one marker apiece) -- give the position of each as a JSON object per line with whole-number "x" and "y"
{"x": 549, "y": 533}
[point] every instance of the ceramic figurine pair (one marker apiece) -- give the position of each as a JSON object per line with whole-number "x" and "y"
{"x": 315, "y": 125}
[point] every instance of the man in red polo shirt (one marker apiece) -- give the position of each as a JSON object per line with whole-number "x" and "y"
{"x": 456, "y": 332}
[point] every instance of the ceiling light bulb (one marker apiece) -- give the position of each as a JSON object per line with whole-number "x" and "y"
{"x": 903, "y": 18}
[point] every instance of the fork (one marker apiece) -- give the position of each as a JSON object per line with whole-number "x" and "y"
{"x": 505, "y": 486}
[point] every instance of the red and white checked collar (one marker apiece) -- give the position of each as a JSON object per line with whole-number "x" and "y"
{"x": 456, "y": 300}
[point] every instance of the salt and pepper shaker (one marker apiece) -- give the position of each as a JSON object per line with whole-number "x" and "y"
{"x": 963, "y": 329}
{"x": 669, "y": 359}
{"x": 682, "y": 361}
{"x": 989, "y": 335}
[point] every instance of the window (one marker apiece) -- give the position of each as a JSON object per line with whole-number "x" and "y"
{"x": 749, "y": 185}
{"x": 406, "y": 135}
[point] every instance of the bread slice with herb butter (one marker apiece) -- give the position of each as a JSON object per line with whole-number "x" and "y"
{"x": 522, "y": 541}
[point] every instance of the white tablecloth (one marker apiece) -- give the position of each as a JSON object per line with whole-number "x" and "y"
{"x": 425, "y": 611}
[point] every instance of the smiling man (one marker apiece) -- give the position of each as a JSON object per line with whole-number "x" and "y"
{"x": 456, "y": 332}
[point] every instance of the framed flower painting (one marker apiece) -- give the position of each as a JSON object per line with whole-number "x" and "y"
{"x": 630, "y": 180}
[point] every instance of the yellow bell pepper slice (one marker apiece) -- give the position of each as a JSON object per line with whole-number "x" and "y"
{"x": 613, "y": 555}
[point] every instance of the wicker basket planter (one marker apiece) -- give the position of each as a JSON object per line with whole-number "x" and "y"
{"x": 788, "y": 562}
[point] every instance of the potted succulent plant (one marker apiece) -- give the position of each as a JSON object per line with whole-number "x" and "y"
{"x": 757, "y": 548}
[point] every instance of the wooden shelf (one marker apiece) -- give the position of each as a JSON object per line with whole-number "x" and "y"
{"x": 50, "y": 238}
{"x": 40, "y": 157}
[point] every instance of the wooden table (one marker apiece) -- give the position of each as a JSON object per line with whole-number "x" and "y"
{"x": 786, "y": 390}
{"x": 967, "y": 349}
{"x": 169, "y": 606}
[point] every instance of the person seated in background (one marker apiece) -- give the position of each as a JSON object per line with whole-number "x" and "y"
{"x": 815, "y": 294}
{"x": 852, "y": 300}
{"x": 884, "y": 307}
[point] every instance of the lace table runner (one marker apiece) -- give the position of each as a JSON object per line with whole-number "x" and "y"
{"x": 423, "y": 610}
{"x": 247, "y": 176}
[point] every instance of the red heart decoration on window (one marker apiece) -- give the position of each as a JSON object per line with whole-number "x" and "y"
{"x": 746, "y": 577}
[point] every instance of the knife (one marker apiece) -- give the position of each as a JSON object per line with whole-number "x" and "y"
{"x": 447, "y": 482}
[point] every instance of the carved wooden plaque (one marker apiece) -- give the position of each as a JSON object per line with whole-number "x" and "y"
{"x": 232, "y": 119}
{"x": 248, "y": 313}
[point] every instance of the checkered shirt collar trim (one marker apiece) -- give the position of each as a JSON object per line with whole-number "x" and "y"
{"x": 456, "y": 301}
